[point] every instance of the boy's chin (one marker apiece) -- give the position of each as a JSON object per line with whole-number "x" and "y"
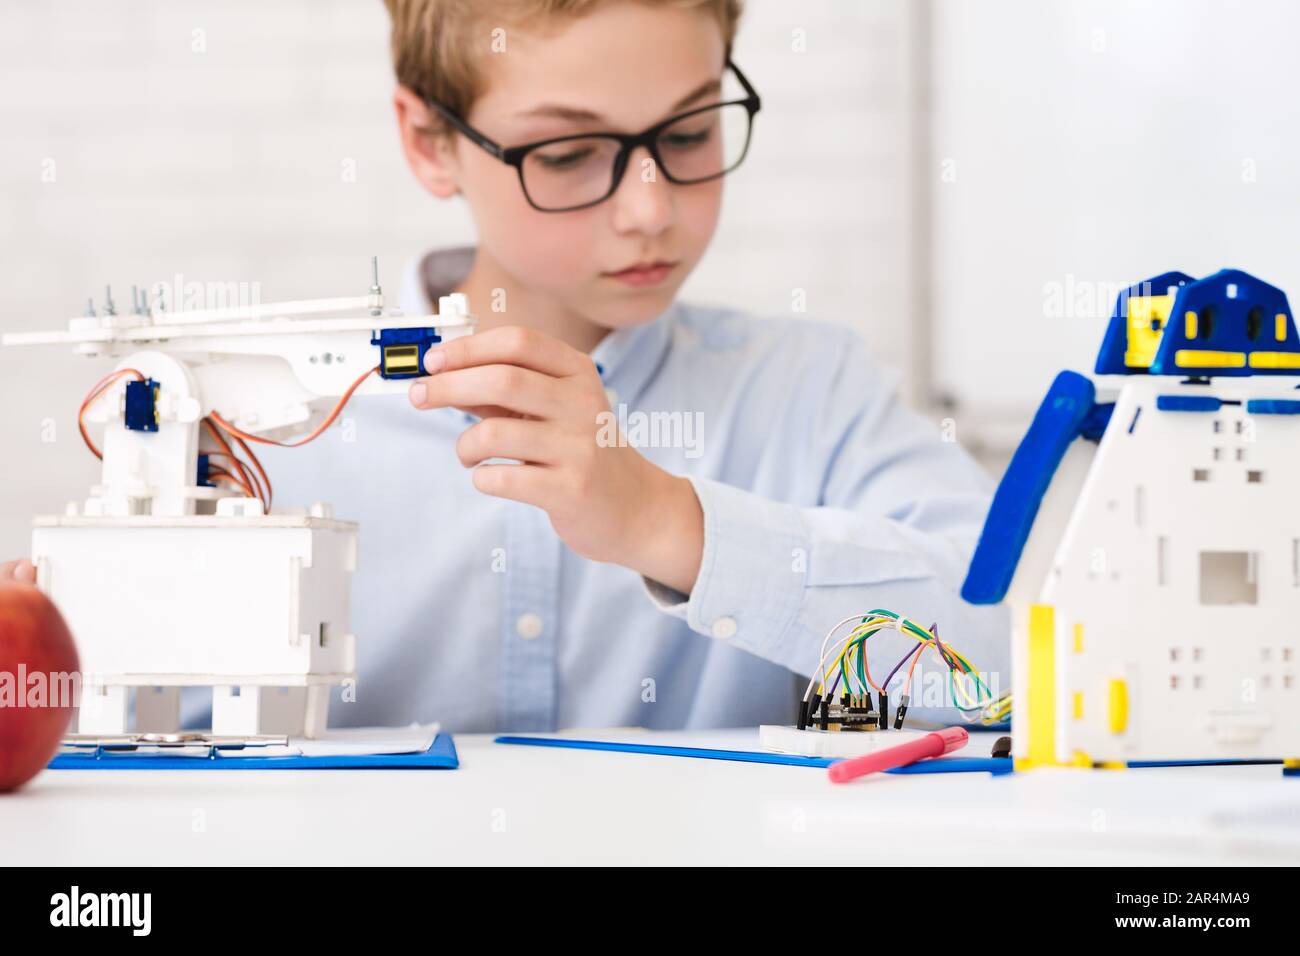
{"x": 627, "y": 308}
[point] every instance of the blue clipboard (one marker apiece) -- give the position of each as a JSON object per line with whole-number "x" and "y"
{"x": 993, "y": 765}
{"x": 441, "y": 755}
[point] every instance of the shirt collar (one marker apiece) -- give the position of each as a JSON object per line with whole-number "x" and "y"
{"x": 627, "y": 358}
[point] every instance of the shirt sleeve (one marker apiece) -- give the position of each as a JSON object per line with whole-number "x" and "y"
{"x": 900, "y": 511}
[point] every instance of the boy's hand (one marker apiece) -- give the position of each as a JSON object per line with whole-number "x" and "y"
{"x": 20, "y": 570}
{"x": 540, "y": 401}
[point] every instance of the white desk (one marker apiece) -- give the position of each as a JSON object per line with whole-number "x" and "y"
{"x": 513, "y": 804}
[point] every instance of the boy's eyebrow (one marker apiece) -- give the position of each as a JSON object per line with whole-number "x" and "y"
{"x": 580, "y": 115}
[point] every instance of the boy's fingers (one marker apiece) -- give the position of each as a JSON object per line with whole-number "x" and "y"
{"x": 527, "y": 483}
{"x": 506, "y": 386}
{"x": 488, "y": 411}
{"x": 20, "y": 570}
{"x": 527, "y": 441}
{"x": 508, "y": 345}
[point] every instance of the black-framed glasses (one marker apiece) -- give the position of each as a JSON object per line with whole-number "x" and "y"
{"x": 573, "y": 172}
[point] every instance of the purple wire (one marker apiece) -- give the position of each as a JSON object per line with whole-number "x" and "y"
{"x": 906, "y": 657}
{"x": 934, "y": 631}
{"x": 952, "y": 664}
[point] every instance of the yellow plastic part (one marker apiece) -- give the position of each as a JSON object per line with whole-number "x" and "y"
{"x": 1279, "y": 326}
{"x": 1143, "y": 341}
{"x": 1082, "y": 759}
{"x": 1274, "y": 360}
{"x": 401, "y": 359}
{"x": 1189, "y": 325}
{"x": 1206, "y": 358}
{"x": 1117, "y": 711}
{"x": 1291, "y": 763}
{"x": 1078, "y": 705}
{"x": 1078, "y": 638}
{"x": 1041, "y": 706}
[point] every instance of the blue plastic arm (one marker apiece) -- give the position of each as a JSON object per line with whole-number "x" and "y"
{"x": 1067, "y": 412}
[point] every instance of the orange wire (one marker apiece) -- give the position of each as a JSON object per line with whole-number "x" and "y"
{"x": 97, "y": 390}
{"x": 220, "y": 474}
{"x": 252, "y": 456}
{"x": 907, "y": 687}
{"x": 315, "y": 433}
{"x": 248, "y": 483}
{"x": 103, "y": 385}
{"x": 937, "y": 645}
{"x": 254, "y": 485}
{"x": 217, "y": 468}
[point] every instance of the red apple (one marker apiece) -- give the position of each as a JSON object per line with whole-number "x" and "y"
{"x": 38, "y": 661}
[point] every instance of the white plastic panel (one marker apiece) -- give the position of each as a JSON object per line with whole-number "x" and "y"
{"x": 203, "y": 604}
{"x": 1183, "y": 495}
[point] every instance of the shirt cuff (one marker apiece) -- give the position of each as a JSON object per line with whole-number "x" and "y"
{"x": 752, "y": 572}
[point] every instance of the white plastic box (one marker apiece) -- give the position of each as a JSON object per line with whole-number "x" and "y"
{"x": 254, "y": 607}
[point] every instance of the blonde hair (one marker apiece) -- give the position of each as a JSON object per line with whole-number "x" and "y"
{"x": 435, "y": 52}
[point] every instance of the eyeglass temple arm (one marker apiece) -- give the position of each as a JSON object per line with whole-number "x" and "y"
{"x": 465, "y": 129}
{"x": 750, "y": 92}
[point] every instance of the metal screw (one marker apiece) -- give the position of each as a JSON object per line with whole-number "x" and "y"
{"x": 374, "y": 283}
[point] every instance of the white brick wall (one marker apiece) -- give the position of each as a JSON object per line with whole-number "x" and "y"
{"x": 1095, "y": 143}
{"x": 208, "y": 138}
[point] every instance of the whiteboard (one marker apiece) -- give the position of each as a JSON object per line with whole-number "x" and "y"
{"x": 1080, "y": 147}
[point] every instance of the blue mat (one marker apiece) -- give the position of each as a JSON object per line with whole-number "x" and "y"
{"x": 994, "y": 765}
{"x": 441, "y": 755}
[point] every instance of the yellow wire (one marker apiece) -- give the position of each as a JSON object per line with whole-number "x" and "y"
{"x": 846, "y": 661}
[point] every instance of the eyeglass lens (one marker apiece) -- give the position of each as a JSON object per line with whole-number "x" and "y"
{"x": 578, "y": 172}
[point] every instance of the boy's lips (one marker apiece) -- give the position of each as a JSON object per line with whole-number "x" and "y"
{"x": 643, "y": 273}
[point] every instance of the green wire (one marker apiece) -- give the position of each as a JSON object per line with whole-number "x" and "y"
{"x": 925, "y": 637}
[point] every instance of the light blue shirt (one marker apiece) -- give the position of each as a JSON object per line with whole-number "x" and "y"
{"x": 823, "y": 496}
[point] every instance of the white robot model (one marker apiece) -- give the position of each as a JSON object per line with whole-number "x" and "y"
{"x": 173, "y": 573}
{"x": 1147, "y": 537}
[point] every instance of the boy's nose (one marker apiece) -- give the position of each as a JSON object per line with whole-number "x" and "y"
{"x": 643, "y": 201}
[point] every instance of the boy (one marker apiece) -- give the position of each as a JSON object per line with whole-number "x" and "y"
{"x": 524, "y": 566}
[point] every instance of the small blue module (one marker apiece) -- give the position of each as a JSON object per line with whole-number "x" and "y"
{"x": 401, "y": 351}
{"x": 1273, "y": 406}
{"x": 1188, "y": 403}
{"x": 141, "y": 411}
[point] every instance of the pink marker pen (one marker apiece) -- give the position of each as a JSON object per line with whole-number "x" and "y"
{"x": 931, "y": 745}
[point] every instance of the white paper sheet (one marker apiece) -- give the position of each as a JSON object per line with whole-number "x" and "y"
{"x": 350, "y": 741}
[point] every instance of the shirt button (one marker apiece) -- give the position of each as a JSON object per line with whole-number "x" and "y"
{"x": 529, "y": 626}
{"x": 723, "y": 628}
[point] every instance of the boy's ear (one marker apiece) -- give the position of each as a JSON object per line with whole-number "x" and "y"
{"x": 429, "y": 151}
